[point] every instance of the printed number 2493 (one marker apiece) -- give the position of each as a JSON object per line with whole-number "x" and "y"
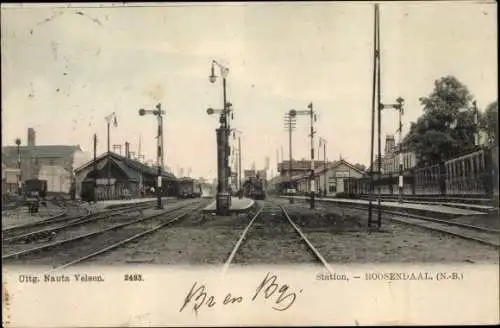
{"x": 133, "y": 277}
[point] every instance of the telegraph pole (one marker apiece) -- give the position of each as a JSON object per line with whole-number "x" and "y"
{"x": 375, "y": 107}
{"x": 95, "y": 168}
{"x": 313, "y": 181}
{"x": 160, "y": 155}
{"x": 312, "y": 116}
{"x": 401, "y": 154}
{"x": 115, "y": 123}
{"x": 290, "y": 125}
{"x": 239, "y": 166}
{"x": 323, "y": 142}
{"x": 19, "y": 177}
{"x": 379, "y": 213}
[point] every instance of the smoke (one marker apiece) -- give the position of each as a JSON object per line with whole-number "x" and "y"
{"x": 155, "y": 92}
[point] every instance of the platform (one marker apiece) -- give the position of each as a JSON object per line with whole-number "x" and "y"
{"x": 237, "y": 205}
{"x": 425, "y": 209}
{"x": 118, "y": 202}
{"x": 478, "y": 207}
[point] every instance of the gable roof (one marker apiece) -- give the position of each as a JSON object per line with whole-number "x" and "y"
{"x": 128, "y": 166}
{"x": 349, "y": 165}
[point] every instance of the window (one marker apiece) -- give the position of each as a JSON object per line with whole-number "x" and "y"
{"x": 332, "y": 184}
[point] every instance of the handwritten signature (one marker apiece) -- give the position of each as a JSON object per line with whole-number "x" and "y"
{"x": 281, "y": 295}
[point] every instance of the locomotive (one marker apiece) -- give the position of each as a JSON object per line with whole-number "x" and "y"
{"x": 189, "y": 188}
{"x": 254, "y": 188}
{"x": 34, "y": 189}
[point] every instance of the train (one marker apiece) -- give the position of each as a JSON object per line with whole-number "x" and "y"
{"x": 254, "y": 188}
{"x": 472, "y": 175}
{"x": 35, "y": 189}
{"x": 189, "y": 188}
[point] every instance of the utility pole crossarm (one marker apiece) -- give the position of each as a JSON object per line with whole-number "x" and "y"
{"x": 388, "y": 106}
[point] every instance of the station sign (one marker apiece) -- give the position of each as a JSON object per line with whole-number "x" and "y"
{"x": 105, "y": 181}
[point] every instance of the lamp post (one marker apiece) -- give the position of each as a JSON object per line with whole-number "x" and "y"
{"x": 223, "y": 200}
{"x": 19, "y": 178}
{"x": 110, "y": 117}
{"x": 312, "y": 116}
{"x": 158, "y": 112}
{"x": 290, "y": 125}
{"x": 399, "y": 107}
{"x": 323, "y": 141}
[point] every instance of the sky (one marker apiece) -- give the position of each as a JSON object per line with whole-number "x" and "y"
{"x": 64, "y": 69}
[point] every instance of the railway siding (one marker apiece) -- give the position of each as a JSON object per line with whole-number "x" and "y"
{"x": 441, "y": 211}
{"x": 395, "y": 242}
{"x": 51, "y": 249}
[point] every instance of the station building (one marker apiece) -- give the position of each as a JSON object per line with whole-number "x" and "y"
{"x": 329, "y": 179}
{"x": 118, "y": 177}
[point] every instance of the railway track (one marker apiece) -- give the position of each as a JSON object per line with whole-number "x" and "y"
{"x": 270, "y": 230}
{"x": 485, "y": 236}
{"x": 79, "y": 248}
{"x": 44, "y": 228}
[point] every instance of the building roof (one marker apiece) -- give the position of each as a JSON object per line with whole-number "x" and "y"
{"x": 129, "y": 166}
{"x": 329, "y": 167}
{"x": 9, "y": 153}
{"x": 43, "y": 151}
{"x": 297, "y": 165}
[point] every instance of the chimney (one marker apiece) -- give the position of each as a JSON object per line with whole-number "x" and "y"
{"x": 31, "y": 137}
{"x": 127, "y": 153}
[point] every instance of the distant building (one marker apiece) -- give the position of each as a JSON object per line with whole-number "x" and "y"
{"x": 54, "y": 163}
{"x": 249, "y": 174}
{"x": 262, "y": 174}
{"x": 333, "y": 174}
{"x": 298, "y": 167}
{"x": 390, "y": 160}
{"x": 10, "y": 179}
{"x": 332, "y": 177}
